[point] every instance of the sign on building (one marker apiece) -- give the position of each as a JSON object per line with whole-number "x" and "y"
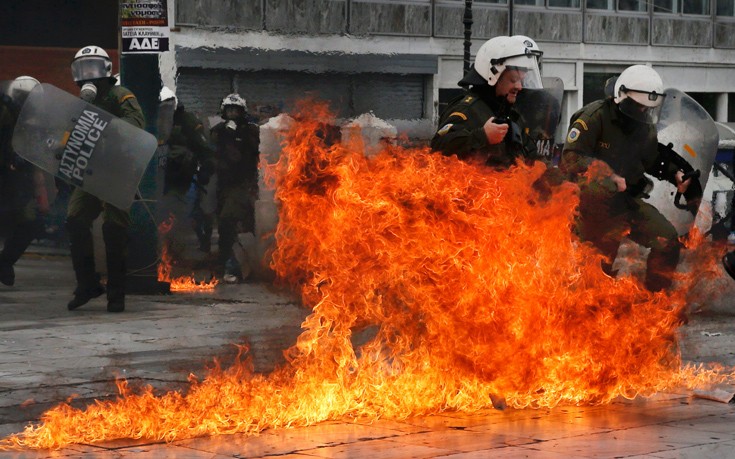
{"x": 144, "y": 25}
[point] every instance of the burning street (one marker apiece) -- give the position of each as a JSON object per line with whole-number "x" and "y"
{"x": 432, "y": 289}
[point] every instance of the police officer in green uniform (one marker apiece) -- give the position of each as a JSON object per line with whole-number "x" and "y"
{"x": 23, "y": 195}
{"x": 189, "y": 155}
{"x": 92, "y": 71}
{"x": 620, "y": 131}
{"x": 481, "y": 124}
{"x": 237, "y": 141}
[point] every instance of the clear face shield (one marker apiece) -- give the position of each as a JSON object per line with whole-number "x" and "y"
{"x": 529, "y": 65}
{"x": 644, "y": 107}
{"x": 91, "y": 68}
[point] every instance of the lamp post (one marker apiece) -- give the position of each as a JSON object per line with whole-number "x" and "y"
{"x": 467, "y": 34}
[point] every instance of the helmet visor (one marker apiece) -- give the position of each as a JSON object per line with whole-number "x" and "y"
{"x": 528, "y": 64}
{"x": 639, "y": 112}
{"x": 89, "y": 69}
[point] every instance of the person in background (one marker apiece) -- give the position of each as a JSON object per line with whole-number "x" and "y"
{"x": 23, "y": 192}
{"x": 190, "y": 160}
{"x": 237, "y": 142}
{"x": 91, "y": 69}
{"x": 481, "y": 124}
{"x": 621, "y": 132}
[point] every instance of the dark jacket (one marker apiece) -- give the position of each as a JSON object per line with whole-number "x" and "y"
{"x": 599, "y": 131}
{"x": 461, "y": 130}
{"x": 237, "y": 152}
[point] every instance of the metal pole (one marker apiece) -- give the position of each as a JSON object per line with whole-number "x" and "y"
{"x": 510, "y": 18}
{"x": 467, "y": 34}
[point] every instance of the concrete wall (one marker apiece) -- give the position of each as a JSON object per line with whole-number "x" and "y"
{"x": 694, "y": 53}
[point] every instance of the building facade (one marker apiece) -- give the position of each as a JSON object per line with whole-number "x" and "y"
{"x": 401, "y": 59}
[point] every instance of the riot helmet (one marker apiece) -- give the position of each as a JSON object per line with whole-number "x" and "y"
{"x": 639, "y": 93}
{"x": 167, "y": 94}
{"x": 532, "y": 46}
{"x": 20, "y": 88}
{"x": 507, "y": 53}
{"x": 233, "y": 106}
{"x": 91, "y": 63}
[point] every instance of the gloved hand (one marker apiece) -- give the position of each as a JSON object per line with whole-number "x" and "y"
{"x": 231, "y": 125}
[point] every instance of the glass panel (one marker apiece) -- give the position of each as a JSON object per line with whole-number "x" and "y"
{"x": 696, "y": 7}
{"x": 725, "y": 8}
{"x": 601, "y": 4}
{"x": 632, "y": 5}
{"x": 665, "y": 6}
{"x": 565, "y": 3}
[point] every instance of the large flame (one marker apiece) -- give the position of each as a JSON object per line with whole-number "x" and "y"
{"x": 469, "y": 286}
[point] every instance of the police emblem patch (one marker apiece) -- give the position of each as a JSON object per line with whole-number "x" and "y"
{"x": 445, "y": 129}
{"x": 573, "y": 135}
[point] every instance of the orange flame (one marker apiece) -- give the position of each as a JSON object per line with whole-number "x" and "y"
{"x": 474, "y": 286}
{"x": 165, "y": 267}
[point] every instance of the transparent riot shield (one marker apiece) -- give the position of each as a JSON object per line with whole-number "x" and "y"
{"x": 83, "y": 144}
{"x": 688, "y": 136}
{"x": 541, "y": 112}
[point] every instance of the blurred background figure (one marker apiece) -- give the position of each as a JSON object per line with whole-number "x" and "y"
{"x": 189, "y": 166}
{"x": 23, "y": 196}
{"x": 237, "y": 141}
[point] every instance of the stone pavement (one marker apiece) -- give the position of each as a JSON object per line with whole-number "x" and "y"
{"x": 49, "y": 353}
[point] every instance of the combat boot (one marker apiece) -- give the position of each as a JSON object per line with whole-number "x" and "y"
{"x": 116, "y": 242}
{"x": 82, "y": 258}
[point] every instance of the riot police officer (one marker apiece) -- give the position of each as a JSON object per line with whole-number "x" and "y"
{"x": 620, "y": 131}
{"x": 482, "y": 124}
{"x": 91, "y": 69}
{"x": 22, "y": 186}
{"x": 237, "y": 141}
{"x": 189, "y": 156}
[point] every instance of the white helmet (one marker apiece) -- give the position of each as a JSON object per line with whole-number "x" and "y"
{"x": 21, "y": 87}
{"x": 639, "y": 92}
{"x": 531, "y": 44}
{"x": 233, "y": 99}
{"x": 91, "y": 63}
{"x": 501, "y": 53}
{"x": 167, "y": 94}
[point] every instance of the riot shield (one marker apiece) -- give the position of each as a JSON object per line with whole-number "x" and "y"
{"x": 541, "y": 112}
{"x": 83, "y": 144}
{"x": 688, "y": 136}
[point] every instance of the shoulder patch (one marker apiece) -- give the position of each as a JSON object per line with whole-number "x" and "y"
{"x": 459, "y": 114}
{"x": 468, "y": 99}
{"x": 573, "y": 135}
{"x": 445, "y": 129}
{"x": 582, "y": 123}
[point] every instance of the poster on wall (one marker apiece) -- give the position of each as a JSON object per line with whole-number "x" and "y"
{"x": 144, "y": 25}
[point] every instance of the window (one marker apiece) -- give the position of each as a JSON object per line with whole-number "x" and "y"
{"x": 594, "y": 86}
{"x": 725, "y": 8}
{"x": 708, "y": 101}
{"x": 550, "y": 3}
{"x": 682, "y": 6}
{"x": 622, "y": 5}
